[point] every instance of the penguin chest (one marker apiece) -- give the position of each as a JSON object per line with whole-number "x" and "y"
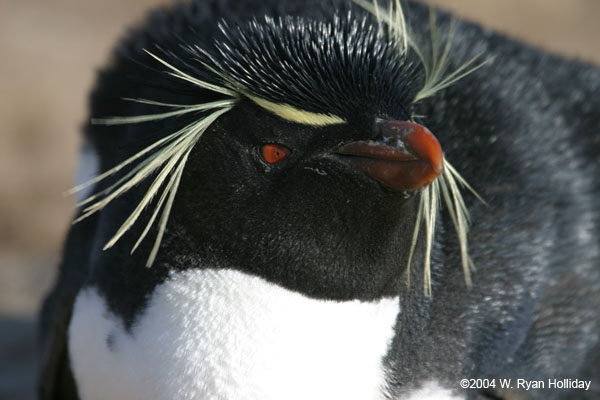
{"x": 223, "y": 334}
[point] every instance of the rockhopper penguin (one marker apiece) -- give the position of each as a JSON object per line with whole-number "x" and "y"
{"x": 281, "y": 205}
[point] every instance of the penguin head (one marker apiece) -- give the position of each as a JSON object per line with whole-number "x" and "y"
{"x": 295, "y": 156}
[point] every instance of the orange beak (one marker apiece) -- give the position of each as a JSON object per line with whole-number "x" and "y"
{"x": 404, "y": 155}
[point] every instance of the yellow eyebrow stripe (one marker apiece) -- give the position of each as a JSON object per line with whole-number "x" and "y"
{"x": 293, "y": 114}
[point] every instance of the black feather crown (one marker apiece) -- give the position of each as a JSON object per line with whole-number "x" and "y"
{"x": 305, "y": 71}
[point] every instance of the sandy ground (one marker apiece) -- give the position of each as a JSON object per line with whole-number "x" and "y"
{"x": 49, "y": 52}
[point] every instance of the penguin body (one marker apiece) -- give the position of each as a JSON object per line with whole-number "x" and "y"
{"x": 283, "y": 269}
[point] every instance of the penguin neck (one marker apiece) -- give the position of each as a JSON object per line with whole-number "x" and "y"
{"x": 319, "y": 265}
{"x": 115, "y": 272}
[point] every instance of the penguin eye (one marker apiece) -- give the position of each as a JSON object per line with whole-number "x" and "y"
{"x": 274, "y": 153}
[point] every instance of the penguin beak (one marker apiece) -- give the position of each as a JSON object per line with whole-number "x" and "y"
{"x": 402, "y": 156}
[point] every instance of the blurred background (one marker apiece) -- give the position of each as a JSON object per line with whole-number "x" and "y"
{"x": 49, "y": 54}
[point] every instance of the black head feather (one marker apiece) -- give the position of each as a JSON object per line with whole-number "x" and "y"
{"x": 344, "y": 66}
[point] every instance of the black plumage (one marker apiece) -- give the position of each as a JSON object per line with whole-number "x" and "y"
{"x": 338, "y": 67}
{"x": 523, "y": 130}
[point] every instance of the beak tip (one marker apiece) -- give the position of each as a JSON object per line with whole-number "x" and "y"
{"x": 426, "y": 145}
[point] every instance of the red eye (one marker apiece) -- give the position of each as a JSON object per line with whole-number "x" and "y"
{"x": 274, "y": 153}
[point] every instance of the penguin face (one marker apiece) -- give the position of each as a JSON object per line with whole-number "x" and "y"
{"x": 307, "y": 218}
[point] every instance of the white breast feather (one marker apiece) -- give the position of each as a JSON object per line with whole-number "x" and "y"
{"x": 226, "y": 335}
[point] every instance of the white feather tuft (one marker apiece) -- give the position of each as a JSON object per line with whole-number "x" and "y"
{"x": 394, "y": 19}
{"x": 435, "y": 60}
{"x": 445, "y": 187}
{"x": 166, "y": 156}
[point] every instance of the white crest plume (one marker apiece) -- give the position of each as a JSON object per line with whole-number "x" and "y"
{"x": 168, "y": 156}
{"x": 434, "y": 58}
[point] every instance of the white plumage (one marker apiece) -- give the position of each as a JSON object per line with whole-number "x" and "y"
{"x": 222, "y": 334}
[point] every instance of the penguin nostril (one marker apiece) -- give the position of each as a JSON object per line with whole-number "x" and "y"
{"x": 392, "y": 133}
